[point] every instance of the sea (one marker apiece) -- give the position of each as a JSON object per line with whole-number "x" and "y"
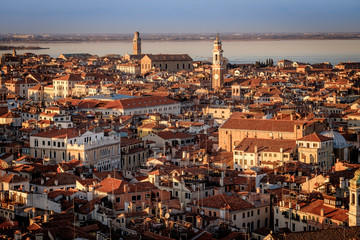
{"x": 305, "y": 51}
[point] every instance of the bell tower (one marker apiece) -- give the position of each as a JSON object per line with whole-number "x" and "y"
{"x": 3, "y": 90}
{"x": 218, "y": 65}
{"x": 137, "y": 44}
{"x": 354, "y": 204}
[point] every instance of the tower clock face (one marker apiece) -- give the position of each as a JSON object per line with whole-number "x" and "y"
{"x": 216, "y": 76}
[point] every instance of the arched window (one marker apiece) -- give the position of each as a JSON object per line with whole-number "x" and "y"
{"x": 353, "y": 198}
{"x": 216, "y": 57}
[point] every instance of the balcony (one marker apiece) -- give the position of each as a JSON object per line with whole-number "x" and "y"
{"x": 95, "y": 144}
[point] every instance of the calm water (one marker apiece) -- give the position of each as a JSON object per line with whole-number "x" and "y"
{"x": 311, "y": 51}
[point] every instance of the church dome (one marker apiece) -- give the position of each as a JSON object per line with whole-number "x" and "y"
{"x": 339, "y": 140}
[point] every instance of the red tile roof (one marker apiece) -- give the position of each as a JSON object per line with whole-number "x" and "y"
{"x": 262, "y": 124}
{"x": 314, "y": 137}
{"x": 60, "y": 133}
{"x": 231, "y": 202}
{"x": 70, "y": 77}
{"x": 265, "y": 145}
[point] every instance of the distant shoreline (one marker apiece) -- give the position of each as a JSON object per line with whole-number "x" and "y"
{"x": 156, "y": 40}
{"x": 10, "y": 47}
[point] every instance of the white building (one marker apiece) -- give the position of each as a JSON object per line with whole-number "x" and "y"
{"x": 91, "y": 147}
{"x": 63, "y": 85}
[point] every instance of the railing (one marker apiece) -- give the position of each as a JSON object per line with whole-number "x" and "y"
{"x": 94, "y": 144}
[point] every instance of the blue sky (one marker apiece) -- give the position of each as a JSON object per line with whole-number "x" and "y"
{"x": 179, "y": 16}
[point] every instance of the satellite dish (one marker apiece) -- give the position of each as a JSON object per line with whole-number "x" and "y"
{"x": 167, "y": 215}
{"x": 202, "y": 212}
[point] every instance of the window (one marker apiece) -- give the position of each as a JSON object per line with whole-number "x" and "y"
{"x": 234, "y": 217}
{"x": 133, "y": 198}
{"x": 117, "y": 199}
{"x": 43, "y": 143}
{"x": 258, "y": 211}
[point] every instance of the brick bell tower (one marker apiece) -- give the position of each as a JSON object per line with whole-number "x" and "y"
{"x": 218, "y": 68}
{"x": 137, "y": 44}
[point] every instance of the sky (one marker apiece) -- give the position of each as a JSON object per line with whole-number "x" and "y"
{"x": 178, "y": 16}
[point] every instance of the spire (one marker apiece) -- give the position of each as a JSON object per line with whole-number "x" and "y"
{"x": 136, "y": 35}
{"x": 217, "y": 37}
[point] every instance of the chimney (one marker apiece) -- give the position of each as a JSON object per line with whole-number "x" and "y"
{"x": 46, "y": 217}
{"x": 132, "y": 207}
{"x": 126, "y": 188}
{"x": 258, "y": 190}
{"x": 17, "y": 235}
{"x": 327, "y": 179}
{"x": 322, "y": 212}
{"x": 39, "y": 236}
{"x": 199, "y": 222}
{"x": 222, "y": 179}
{"x": 342, "y": 182}
{"x": 56, "y": 182}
